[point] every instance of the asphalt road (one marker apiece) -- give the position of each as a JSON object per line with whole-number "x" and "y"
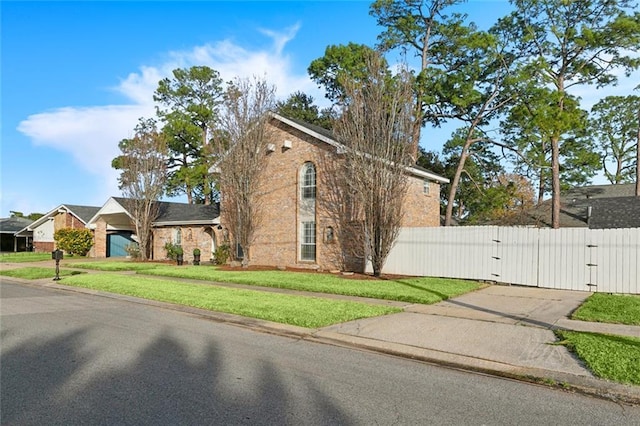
{"x": 69, "y": 358}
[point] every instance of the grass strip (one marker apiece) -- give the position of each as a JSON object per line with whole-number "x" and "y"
{"x": 115, "y": 266}
{"x": 610, "y": 308}
{"x": 414, "y": 290}
{"x": 610, "y": 357}
{"x": 310, "y": 312}
{"x": 25, "y": 256}
{"x": 36, "y": 273}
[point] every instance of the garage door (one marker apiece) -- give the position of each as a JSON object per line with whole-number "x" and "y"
{"x": 117, "y": 243}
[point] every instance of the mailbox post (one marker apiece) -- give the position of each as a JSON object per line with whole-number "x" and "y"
{"x": 57, "y": 256}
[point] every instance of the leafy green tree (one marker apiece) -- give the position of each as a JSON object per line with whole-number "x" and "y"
{"x": 571, "y": 43}
{"x": 615, "y": 124}
{"x": 419, "y": 26}
{"x": 300, "y": 106}
{"x": 31, "y": 216}
{"x": 74, "y": 241}
{"x": 340, "y": 62}
{"x": 189, "y": 106}
{"x": 528, "y": 128}
{"x": 480, "y": 169}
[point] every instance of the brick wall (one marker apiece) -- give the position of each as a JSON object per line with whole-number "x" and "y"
{"x": 43, "y": 246}
{"x": 196, "y": 236}
{"x": 100, "y": 239}
{"x": 277, "y": 239}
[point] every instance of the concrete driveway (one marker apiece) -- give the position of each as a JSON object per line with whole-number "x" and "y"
{"x": 507, "y": 325}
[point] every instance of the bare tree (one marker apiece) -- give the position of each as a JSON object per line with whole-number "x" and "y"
{"x": 376, "y": 129}
{"x": 240, "y": 153}
{"x": 143, "y": 166}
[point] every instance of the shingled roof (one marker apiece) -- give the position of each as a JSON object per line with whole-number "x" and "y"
{"x": 594, "y": 206}
{"x": 174, "y": 213}
{"x": 11, "y": 225}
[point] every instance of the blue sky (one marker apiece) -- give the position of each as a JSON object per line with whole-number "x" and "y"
{"x": 76, "y": 76}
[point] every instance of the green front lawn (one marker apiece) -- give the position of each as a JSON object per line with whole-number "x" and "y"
{"x": 610, "y": 357}
{"x": 24, "y": 256}
{"x": 302, "y": 311}
{"x": 413, "y": 290}
{"x": 35, "y": 273}
{"x": 610, "y": 308}
{"x": 115, "y": 265}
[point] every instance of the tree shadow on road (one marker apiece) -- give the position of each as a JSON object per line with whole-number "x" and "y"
{"x": 60, "y": 381}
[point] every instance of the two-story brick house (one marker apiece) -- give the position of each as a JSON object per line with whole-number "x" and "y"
{"x": 301, "y": 224}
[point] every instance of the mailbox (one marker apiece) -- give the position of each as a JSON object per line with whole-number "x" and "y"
{"x": 57, "y": 255}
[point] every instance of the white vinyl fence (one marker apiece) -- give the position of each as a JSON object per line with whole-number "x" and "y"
{"x": 602, "y": 260}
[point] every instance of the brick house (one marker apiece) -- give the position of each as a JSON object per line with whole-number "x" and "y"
{"x": 188, "y": 225}
{"x": 63, "y": 216}
{"x": 299, "y": 224}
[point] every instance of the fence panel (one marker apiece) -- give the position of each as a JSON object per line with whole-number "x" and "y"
{"x": 569, "y": 258}
{"x": 519, "y": 255}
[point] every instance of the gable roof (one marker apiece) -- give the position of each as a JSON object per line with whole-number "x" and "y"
{"x": 11, "y": 225}
{"x": 83, "y": 213}
{"x": 328, "y": 137}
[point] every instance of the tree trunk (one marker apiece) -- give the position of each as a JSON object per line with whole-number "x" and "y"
{"x": 555, "y": 183}
{"x": 638, "y": 158}
{"x": 456, "y": 181}
{"x": 540, "y": 188}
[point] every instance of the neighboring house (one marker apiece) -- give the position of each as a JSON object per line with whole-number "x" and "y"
{"x": 188, "y": 225}
{"x": 63, "y": 216}
{"x": 299, "y": 218}
{"x": 9, "y": 240}
{"x": 595, "y": 206}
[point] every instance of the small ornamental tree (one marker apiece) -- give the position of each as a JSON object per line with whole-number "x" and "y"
{"x": 74, "y": 241}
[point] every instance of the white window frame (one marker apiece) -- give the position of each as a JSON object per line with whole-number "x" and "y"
{"x": 308, "y": 181}
{"x": 308, "y": 246}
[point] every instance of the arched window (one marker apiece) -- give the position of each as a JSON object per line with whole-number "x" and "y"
{"x": 308, "y": 181}
{"x": 307, "y": 213}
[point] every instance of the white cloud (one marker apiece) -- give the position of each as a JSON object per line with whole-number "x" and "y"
{"x": 91, "y": 134}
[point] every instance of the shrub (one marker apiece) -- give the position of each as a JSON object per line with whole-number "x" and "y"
{"x": 74, "y": 241}
{"x": 196, "y": 251}
{"x": 221, "y": 254}
{"x": 173, "y": 250}
{"x": 133, "y": 250}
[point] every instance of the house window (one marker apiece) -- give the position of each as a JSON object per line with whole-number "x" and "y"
{"x": 426, "y": 187}
{"x": 308, "y": 241}
{"x": 177, "y": 236}
{"x": 308, "y": 181}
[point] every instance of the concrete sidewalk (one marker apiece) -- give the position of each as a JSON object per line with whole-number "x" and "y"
{"x": 504, "y": 330}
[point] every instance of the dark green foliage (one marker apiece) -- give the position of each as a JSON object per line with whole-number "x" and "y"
{"x": 222, "y": 254}
{"x": 300, "y": 106}
{"x": 189, "y": 104}
{"x": 340, "y": 62}
{"x": 615, "y": 123}
{"x": 173, "y": 250}
{"x": 74, "y": 241}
